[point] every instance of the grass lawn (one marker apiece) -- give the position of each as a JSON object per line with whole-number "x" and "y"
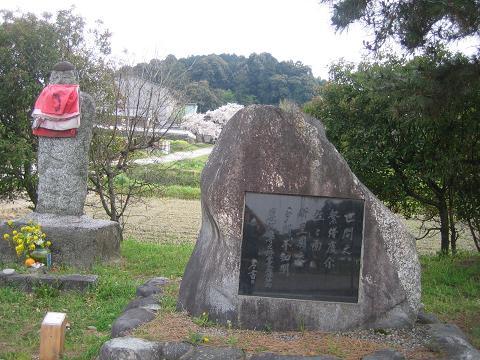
{"x": 179, "y": 179}
{"x": 451, "y": 288}
{"x": 21, "y": 314}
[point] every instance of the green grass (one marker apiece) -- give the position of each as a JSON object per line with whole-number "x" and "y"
{"x": 181, "y": 192}
{"x": 182, "y": 145}
{"x": 180, "y": 179}
{"x": 21, "y": 313}
{"x": 175, "y": 146}
{"x": 451, "y": 289}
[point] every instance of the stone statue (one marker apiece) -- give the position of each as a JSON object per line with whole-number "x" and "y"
{"x": 77, "y": 240}
{"x": 63, "y": 162}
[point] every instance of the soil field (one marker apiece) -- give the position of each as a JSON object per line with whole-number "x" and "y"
{"x": 162, "y": 220}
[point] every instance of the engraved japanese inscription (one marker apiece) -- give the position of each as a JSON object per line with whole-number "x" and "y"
{"x": 301, "y": 247}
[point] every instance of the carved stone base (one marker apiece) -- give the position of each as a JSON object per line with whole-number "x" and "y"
{"x": 77, "y": 241}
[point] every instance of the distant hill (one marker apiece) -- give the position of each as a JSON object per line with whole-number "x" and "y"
{"x": 214, "y": 80}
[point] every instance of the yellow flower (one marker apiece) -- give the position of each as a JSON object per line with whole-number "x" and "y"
{"x": 6, "y": 236}
{"x": 35, "y": 238}
{"x": 49, "y": 243}
{"x": 14, "y": 232}
{"x": 9, "y": 222}
{"x": 44, "y": 236}
{"x": 32, "y": 247}
{"x": 206, "y": 339}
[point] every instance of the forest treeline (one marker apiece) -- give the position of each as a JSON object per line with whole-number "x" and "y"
{"x": 213, "y": 80}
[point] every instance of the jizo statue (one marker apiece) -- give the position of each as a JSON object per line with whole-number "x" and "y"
{"x": 63, "y": 162}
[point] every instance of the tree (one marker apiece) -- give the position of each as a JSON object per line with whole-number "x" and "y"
{"x": 29, "y": 47}
{"x": 425, "y": 26}
{"x": 414, "y": 149}
{"x": 414, "y": 24}
{"x": 202, "y": 94}
{"x": 145, "y": 106}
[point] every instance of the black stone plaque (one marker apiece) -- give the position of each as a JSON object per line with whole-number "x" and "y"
{"x": 301, "y": 247}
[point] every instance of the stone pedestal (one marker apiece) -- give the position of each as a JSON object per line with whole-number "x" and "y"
{"x": 76, "y": 240}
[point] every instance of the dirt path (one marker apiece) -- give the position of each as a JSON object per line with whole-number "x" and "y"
{"x": 172, "y": 220}
{"x": 177, "y": 156}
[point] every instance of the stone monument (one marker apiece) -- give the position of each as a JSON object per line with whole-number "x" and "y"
{"x": 290, "y": 238}
{"x": 62, "y": 189}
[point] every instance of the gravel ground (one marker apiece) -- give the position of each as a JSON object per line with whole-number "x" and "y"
{"x": 160, "y": 220}
{"x": 405, "y": 338}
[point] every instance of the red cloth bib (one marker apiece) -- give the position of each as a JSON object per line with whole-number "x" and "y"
{"x": 59, "y": 99}
{"x": 55, "y": 133}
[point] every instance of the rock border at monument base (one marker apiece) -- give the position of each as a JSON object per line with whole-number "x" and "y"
{"x": 142, "y": 309}
{"x": 77, "y": 241}
{"x": 447, "y": 340}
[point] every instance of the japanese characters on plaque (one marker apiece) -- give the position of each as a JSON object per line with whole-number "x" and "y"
{"x": 301, "y": 247}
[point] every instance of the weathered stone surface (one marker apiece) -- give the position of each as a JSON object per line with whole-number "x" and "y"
{"x": 131, "y": 319}
{"x": 76, "y": 240}
{"x": 175, "y": 350}
{"x": 449, "y": 339}
{"x": 385, "y": 354}
{"x": 63, "y": 162}
{"x": 27, "y": 282}
{"x": 152, "y": 286}
{"x": 129, "y": 348}
{"x": 142, "y": 302}
{"x": 213, "y": 353}
{"x": 427, "y": 318}
{"x": 263, "y": 149}
{"x": 272, "y": 356}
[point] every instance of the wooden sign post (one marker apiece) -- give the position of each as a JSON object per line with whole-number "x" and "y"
{"x": 52, "y": 336}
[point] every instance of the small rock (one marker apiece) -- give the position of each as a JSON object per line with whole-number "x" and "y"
{"x": 8, "y": 271}
{"x": 146, "y": 290}
{"x": 142, "y": 302}
{"x": 174, "y": 350}
{"x": 152, "y": 307}
{"x": 157, "y": 281}
{"x": 92, "y": 328}
{"x": 152, "y": 286}
{"x": 272, "y": 356}
{"x": 427, "y": 318}
{"x": 385, "y": 354}
{"x": 129, "y": 320}
{"x": 130, "y": 348}
{"x": 212, "y": 353}
{"x": 450, "y": 339}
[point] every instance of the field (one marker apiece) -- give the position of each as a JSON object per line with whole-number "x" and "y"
{"x": 160, "y": 220}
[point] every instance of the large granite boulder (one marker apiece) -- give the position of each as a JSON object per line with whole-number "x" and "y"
{"x": 263, "y": 149}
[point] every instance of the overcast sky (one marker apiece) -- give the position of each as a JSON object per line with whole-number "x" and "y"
{"x": 288, "y": 29}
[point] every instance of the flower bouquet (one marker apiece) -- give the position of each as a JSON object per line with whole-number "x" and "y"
{"x": 30, "y": 242}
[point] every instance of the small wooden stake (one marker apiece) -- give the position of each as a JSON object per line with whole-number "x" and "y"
{"x": 52, "y": 336}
